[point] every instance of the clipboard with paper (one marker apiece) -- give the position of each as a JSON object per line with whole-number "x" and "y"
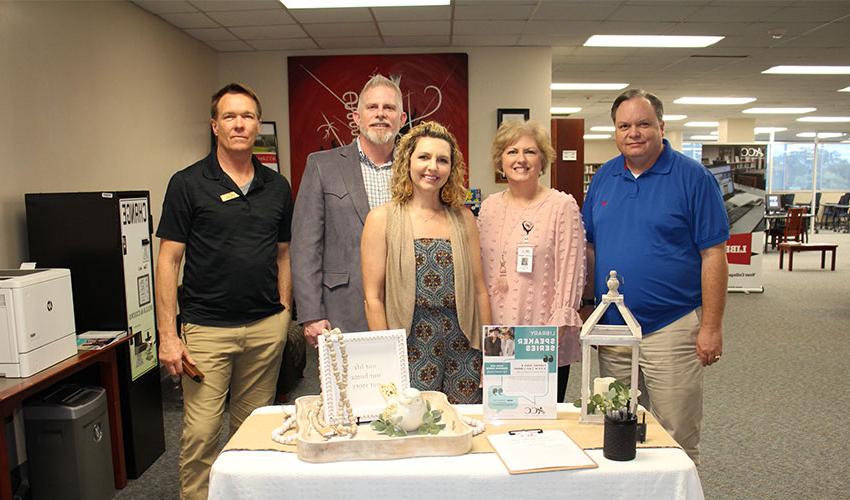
{"x": 537, "y": 450}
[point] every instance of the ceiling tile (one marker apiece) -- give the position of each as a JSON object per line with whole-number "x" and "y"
{"x": 415, "y": 28}
{"x": 339, "y": 30}
{"x": 269, "y": 32}
{"x": 661, "y": 13}
{"x": 283, "y": 44}
{"x": 223, "y": 5}
{"x": 229, "y": 45}
{"x": 642, "y": 28}
{"x": 251, "y": 17}
{"x": 505, "y": 40}
{"x": 707, "y": 28}
{"x": 488, "y": 12}
{"x": 580, "y": 11}
{"x": 557, "y": 42}
{"x": 413, "y": 13}
{"x": 189, "y": 20}
{"x": 488, "y": 27}
{"x": 359, "y": 42}
{"x": 502, "y": 3}
{"x": 331, "y": 15}
{"x": 165, "y": 6}
{"x": 211, "y": 34}
{"x": 720, "y": 14}
{"x": 417, "y": 41}
{"x": 563, "y": 28}
{"x": 820, "y": 13}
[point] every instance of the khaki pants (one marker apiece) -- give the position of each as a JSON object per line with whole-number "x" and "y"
{"x": 671, "y": 378}
{"x": 244, "y": 360}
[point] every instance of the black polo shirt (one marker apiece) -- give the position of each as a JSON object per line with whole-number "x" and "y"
{"x": 230, "y": 274}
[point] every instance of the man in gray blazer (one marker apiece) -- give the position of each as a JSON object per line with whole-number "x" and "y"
{"x": 338, "y": 189}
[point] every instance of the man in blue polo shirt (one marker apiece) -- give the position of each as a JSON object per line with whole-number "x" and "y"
{"x": 658, "y": 219}
{"x": 230, "y": 217}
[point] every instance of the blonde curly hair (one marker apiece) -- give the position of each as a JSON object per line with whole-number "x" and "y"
{"x": 453, "y": 193}
{"x": 511, "y": 131}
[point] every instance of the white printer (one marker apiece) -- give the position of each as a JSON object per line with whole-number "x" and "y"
{"x": 36, "y": 320}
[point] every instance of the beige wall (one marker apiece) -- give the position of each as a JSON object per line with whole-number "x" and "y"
{"x": 498, "y": 78}
{"x": 95, "y": 96}
{"x": 600, "y": 151}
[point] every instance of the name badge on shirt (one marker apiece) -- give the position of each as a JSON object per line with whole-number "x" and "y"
{"x": 228, "y": 196}
{"x": 524, "y": 258}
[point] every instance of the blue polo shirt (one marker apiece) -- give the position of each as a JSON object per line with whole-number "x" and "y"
{"x": 651, "y": 231}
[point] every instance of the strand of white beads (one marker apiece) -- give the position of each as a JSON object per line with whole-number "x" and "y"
{"x": 278, "y": 434}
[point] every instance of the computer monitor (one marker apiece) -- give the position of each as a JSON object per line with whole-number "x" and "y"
{"x": 773, "y": 203}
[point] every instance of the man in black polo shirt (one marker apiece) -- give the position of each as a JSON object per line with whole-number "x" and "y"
{"x": 230, "y": 217}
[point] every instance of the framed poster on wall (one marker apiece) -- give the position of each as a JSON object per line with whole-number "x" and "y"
{"x": 265, "y": 146}
{"x": 323, "y": 96}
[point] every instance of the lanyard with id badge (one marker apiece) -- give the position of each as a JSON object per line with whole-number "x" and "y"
{"x": 525, "y": 250}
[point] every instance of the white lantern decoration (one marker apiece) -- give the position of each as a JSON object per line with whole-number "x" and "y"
{"x": 593, "y": 333}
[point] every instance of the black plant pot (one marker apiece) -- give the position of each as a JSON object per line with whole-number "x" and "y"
{"x": 619, "y": 442}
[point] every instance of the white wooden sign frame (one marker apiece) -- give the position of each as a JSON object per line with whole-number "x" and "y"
{"x": 374, "y": 358}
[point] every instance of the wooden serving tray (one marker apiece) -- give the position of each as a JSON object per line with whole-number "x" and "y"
{"x": 367, "y": 444}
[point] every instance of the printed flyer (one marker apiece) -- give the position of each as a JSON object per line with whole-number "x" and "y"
{"x": 520, "y": 372}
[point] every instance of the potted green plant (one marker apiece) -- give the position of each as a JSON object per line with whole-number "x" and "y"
{"x": 620, "y": 423}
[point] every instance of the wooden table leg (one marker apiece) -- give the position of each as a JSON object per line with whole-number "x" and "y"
{"x": 834, "y": 250}
{"x": 5, "y": 477}
{"x": 823, "y": 259}
{"x": 109, "y": 379}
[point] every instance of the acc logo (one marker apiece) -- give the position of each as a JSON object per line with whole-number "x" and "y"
{"x": 739, "y": 249}
{"x": 752, "y": 152}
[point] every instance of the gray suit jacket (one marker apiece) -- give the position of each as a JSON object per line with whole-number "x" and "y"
{"x": 330, "y": 210}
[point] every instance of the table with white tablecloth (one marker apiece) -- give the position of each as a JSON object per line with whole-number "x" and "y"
{"x": 656, "y": 473}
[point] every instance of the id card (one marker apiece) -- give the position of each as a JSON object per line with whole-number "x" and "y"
{"x": 524, "y": 258}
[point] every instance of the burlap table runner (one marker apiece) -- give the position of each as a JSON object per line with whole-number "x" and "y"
{"x": 255, "y": 433}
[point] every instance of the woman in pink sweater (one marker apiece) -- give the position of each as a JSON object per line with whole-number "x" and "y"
{"x": 532, "y": 243}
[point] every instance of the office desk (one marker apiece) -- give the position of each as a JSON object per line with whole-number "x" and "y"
{"x": 654, "y": 474}
{"x": 14, "y": 390}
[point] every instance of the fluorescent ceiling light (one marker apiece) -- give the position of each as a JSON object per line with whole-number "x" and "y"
{"x": 845, "y": 89}
{"x": 702, "y": 124}
{"x": 602, "y": 128}
{"x": 824, "y": 119}
{"x": 715, "y": 101}
{"x": 342, "y": 4}
{"x": 767, "y": 130}
{"x": 588, "y": 86}
{"x": 778, "y": 111}
{"x": 651, "y": 41}
{"x": 808, "y": 70}
{"x": 563, "y": 110}
{"x": 704, "y": 137}
{"x": 674, "y": 118}
{"x": 821, "y": 135}
{"x": 597, "y": 136}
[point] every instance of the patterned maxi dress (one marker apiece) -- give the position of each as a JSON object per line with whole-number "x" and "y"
{"x": 439, "y": 354}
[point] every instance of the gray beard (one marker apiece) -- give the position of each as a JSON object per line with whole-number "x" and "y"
{"x": 378, "y": 138}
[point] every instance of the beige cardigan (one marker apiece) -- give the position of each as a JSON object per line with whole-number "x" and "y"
{"x": 400, "y": 289}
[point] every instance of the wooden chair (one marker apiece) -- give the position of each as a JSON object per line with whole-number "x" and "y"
{"x": 790, "y": 228}
{"x": 794, "y": 224}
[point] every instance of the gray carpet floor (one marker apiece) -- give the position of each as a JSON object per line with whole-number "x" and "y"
{"x": 776, "y": 422}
